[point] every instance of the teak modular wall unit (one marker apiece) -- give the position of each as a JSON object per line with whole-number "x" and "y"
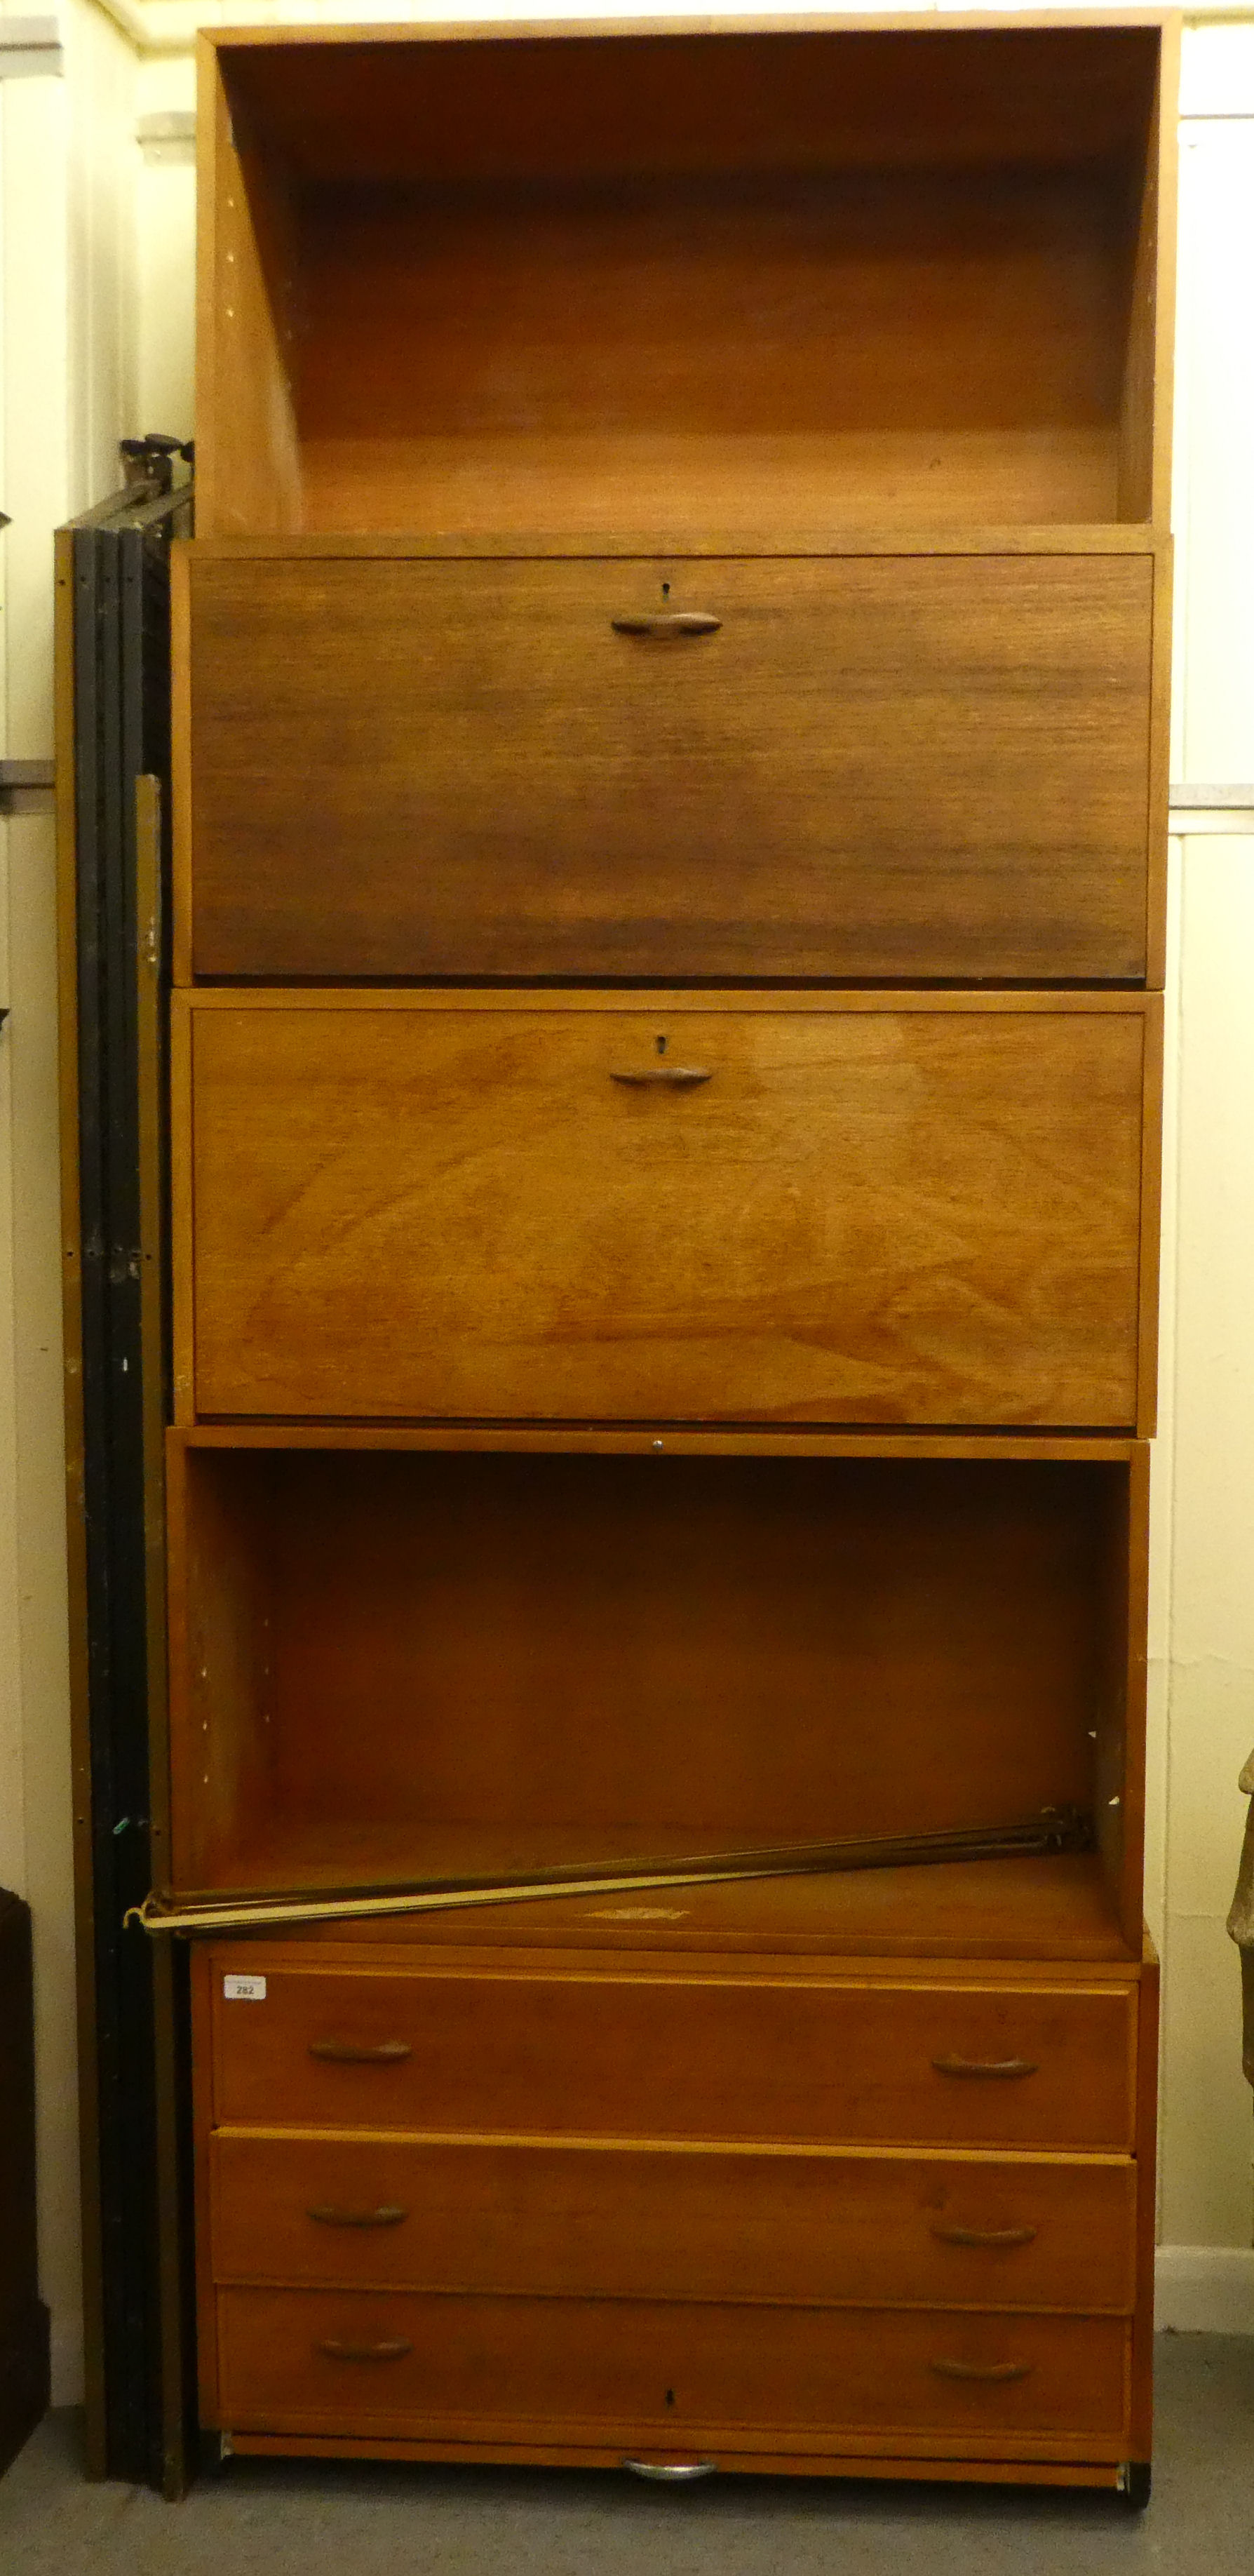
{"x": 670, "y": 744}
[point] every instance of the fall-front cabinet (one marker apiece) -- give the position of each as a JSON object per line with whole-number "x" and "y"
{"x": 669, "y": 836}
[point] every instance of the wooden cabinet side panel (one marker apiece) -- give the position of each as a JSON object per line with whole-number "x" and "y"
{"x": 248, "y": 473}
{"x": 1141, "y": 2440}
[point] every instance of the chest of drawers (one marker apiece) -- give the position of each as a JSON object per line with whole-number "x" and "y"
{"x": 669, "y": 835}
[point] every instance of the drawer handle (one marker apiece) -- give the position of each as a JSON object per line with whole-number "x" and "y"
{"x": 678, "y": 1077}
{"x": 391, "y": 2348}
{"x": 326, "y": 2215}
{"x": 669, "y": 624}
{"x": 984, "y": 2065}
{"x": 361, "y": 2052}
{"x": 673, "y": 2472}
{"x": 985, "y": 2235}
{"x": 982, "y": 2369}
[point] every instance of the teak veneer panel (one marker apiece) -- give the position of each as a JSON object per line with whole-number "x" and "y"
{"x": 864, "y": 1215}
{"x": 889, "y": 767}
{"x": 669, "y": 2377}
{"x": 586, "y": 2220}
{"x": 723, "y": 2056}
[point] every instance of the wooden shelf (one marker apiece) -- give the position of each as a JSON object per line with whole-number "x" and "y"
{"x": 1057, "y": 1909}
{"x": 881, "y": 276}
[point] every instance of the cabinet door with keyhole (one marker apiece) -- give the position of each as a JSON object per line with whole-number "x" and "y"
{"x": 792, "y": 766}
{"x": 861, "y": 1212}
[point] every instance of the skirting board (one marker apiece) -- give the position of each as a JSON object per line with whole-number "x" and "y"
{"x": 1204, "y": 2289}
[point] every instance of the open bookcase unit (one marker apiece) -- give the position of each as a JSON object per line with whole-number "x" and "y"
{"x": 765, "y": 278}
{"x": 405, "y": 1663}
{"x": 669, "y": 828}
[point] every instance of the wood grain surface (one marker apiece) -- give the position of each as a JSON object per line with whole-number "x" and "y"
{"x": 1036, "y": 1913}
{"x": 880, "y": 767}
{"x": 677, "y": 2377}
{"x": 866, "y": 1216}
{"x": 722, "y": 2056}
{"x": 916, "y": 239}
{"x": 526, "y": 2216}
{"x": 570, "y": 1661}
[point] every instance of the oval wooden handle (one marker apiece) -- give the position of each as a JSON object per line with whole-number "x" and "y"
{"x": 985, "y": 2235}
{"x": 678, "y": 1077}
{"x": 984, "y": 2065}
{"x": 982, "y": 2369}
{"x": 391, "y": 2348}
{"x": 361, "y": 2052}
{"x": 668, "y": 624}
{"x": 325, "y": 2214}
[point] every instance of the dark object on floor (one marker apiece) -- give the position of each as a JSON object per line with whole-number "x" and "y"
{"x": 23, "y": 2317}
{"x": 1241, "y": 1919}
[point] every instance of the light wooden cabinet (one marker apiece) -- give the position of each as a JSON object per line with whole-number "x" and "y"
{"x": 669, "y": 838}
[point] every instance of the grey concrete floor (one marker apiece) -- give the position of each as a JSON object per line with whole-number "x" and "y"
{"x": 324, "y": 2518}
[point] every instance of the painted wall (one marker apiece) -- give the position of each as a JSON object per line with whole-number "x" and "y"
{"x": 96, "y": 251}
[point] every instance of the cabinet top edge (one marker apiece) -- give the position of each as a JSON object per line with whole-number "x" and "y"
{"x": 923, "y": 20}
{"x": 1133, "y": 538}
{"x": 607, "y": 1439}
{"x": 1129, "y": 1002}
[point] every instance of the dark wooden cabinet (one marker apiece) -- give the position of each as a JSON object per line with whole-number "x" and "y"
{"x": 669, "y": 838}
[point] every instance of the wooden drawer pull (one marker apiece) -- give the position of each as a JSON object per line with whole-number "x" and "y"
{"x": 1001, "y": 2370}
{"x": 669, "y": 624}
{"x": 325, "y": 2215}
{"x": 678, "y": 1077}
{"x": 361, "y": 2052}
{"x": 985, "y": 2235}
{"x": 392, "y": 2348}
{"x": 984, "y": 2065}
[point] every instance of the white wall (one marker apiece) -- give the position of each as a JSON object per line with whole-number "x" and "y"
{"x": 96, "y": 264}
{"x": 65, "y": 270}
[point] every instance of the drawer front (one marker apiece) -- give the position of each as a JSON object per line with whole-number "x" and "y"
{"x": 636, "y": 2056}
{"x": 589, "y": 2220}
{"x": 854, "y": 1215}
{"x": 884, "y": 766}
{"x": 662, "y": 2377}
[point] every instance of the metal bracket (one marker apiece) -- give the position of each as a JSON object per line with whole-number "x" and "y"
{"x": 1193, "y": 810}
{"x": 150, "y": 460}
{"x": 26, "y": 786}
{"x": 30, "y": 49}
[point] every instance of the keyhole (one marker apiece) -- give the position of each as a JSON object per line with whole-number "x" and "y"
{"x": 660, "y": 1044}
{"x": 670, "y": 2397}
{"x": 666, "y": 590}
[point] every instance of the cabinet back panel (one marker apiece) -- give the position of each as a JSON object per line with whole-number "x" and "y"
{"x": 860, "y": 1215}
{"x": 832, "y": 348}
{"x": 497, "y": 1663}
{"x": 879, "y": 766}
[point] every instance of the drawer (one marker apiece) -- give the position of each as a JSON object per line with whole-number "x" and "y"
{"x": 589, "y": 2220}
{"x": 650, "y": 2375}
{"x": 886, "y": 766}
{"x": 858, "y": 1211}
{"x": 639, "y": 2056}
